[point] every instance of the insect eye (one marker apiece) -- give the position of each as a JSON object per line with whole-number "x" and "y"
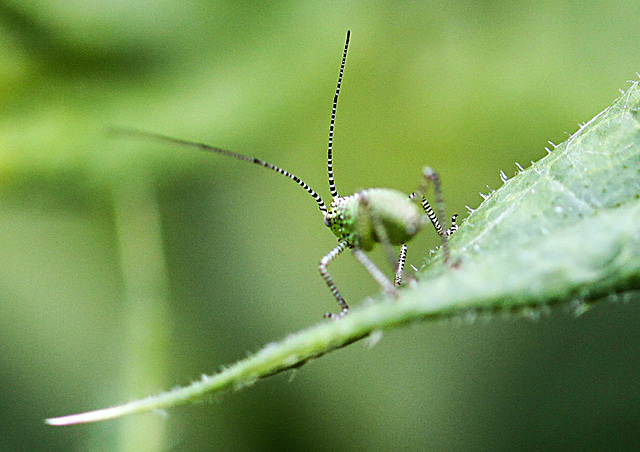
{"x": 327, "y": 221}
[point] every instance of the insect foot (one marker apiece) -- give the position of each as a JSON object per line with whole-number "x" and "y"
{"x": 337, "y": 316}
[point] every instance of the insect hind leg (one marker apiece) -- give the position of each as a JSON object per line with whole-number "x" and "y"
{"x": 379, "y": 229}
{"x": 454, "y": 226}
{"x": 431, "y": 176}
{"x": 377, "y": 274}
{"x": 383, "y": 237}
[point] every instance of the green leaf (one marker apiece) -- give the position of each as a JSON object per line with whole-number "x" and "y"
{"x": 566, "y": 230}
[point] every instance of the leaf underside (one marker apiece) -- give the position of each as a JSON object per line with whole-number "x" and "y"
{"x": 565, "y": 230}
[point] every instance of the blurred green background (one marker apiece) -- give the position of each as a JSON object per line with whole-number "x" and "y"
{"x": 127, "y": 268}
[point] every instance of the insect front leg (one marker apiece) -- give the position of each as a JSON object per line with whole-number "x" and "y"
{"x": 322, "y": 267}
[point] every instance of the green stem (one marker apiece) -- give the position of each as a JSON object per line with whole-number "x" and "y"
{"x": 146, "y": 340}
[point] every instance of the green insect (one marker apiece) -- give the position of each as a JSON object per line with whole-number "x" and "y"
{"x": 375, "y": 215}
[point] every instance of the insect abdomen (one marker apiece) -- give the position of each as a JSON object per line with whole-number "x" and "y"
{"x": 391, "y": 210}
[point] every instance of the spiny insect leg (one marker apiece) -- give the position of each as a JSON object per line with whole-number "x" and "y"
{"x": 327, "y": 278}
{"x": 399, "y": 269}
{"x": 454, "y": 226}
{"x": 434, "y": 219}
{"x": 216, "y": 150}
{"x": 386, "y": 284}
{"x": 431, "y": 176}
{"x": 436, "y": 224}
{"x": 430, "y": 213}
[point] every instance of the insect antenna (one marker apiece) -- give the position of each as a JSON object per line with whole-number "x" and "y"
{"x": 235, "y": 155}
{"x": 332, "y": 182}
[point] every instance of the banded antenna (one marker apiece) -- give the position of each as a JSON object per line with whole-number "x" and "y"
{"x": 235, "y": 155}
{"x": 332, "y": 182}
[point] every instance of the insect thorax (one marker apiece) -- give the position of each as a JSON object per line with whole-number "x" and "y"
{"x": 341, "y": 218}
{"x": 358, "y": 218}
